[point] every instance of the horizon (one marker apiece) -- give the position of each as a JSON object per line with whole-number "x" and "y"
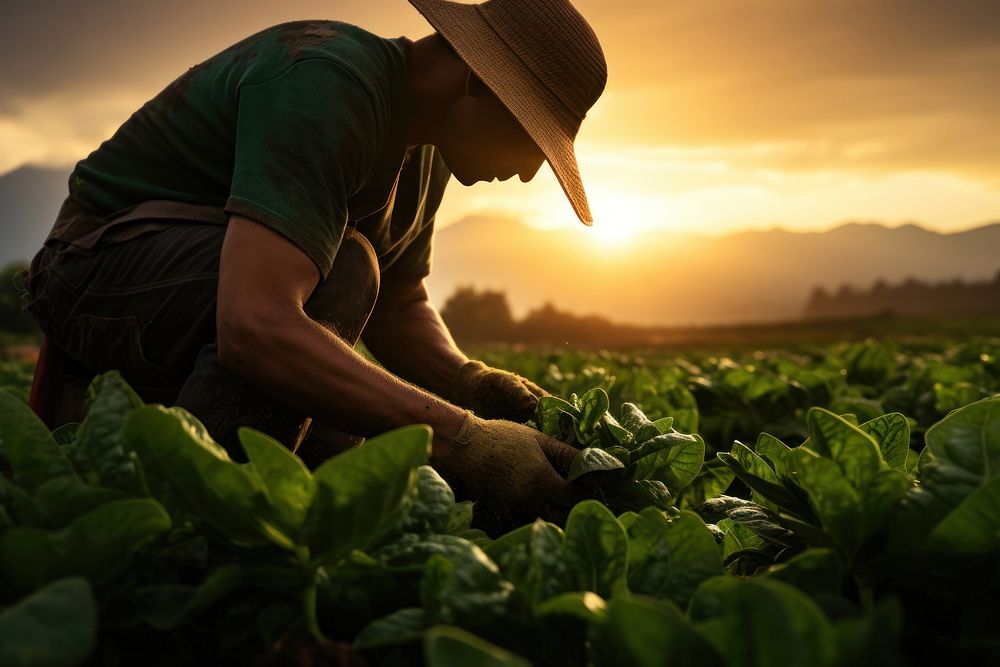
{"x": 717, "y": 233}
{"x": 781, "y": 115}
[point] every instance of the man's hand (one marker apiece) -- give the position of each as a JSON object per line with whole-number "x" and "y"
{"x": 492, "y": 393}
{"x": 510, "y": 467}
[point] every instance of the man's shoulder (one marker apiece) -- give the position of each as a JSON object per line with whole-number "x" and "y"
{"x": 328, "y": 50}
{"x": 369, "y": 55}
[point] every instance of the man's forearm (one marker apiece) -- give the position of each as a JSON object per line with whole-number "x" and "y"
{"x": 411, "y": 340}
{"x": 309, "y": 368}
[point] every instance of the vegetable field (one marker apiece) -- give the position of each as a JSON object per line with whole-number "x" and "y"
{"x": 835, "y": 505}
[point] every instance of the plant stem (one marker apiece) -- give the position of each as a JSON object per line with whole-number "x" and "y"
{"x": 312, "y": 621}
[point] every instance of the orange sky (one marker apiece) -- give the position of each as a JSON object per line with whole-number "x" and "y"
{"x": 718, "y": 115}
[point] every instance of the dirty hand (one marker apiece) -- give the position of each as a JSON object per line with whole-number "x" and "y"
{"x": 511, "y": 467}
{"x": 493, "y": 393}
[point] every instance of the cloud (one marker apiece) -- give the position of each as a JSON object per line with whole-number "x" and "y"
{"x": 72, "y": 72}
{"x": 80, "y": 48}
{"x": 913, "y": 81}
{"x": 700, "y": 95}
{"x": 56, "y": 129}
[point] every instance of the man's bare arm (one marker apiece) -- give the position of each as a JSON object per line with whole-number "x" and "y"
{"x": 407, "y": 336}
{"x": 265, "y": 336}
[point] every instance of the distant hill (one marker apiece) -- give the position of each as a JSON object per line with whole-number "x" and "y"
{"x": 29, "y": 201}
{"x": 682, "y": 279}
{"x": 661, "y": 279}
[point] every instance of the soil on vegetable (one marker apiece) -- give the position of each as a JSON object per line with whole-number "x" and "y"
{"x": 305, "y": 651}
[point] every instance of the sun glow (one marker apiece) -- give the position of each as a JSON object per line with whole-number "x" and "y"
{"x": 620, "y": 217}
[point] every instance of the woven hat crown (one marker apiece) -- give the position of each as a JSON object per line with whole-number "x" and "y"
{"x": 556, "y": 44}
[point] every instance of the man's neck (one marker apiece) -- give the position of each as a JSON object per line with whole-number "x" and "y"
{"x": 437, "y": 80}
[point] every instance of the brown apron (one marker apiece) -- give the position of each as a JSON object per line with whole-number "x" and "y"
{"x": 83, "y": 228}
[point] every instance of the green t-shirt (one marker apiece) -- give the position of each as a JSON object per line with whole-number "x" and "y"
{"x": 301, "y": 127}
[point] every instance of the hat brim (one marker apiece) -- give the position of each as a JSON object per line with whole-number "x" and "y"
{"x": 542, "y": 115}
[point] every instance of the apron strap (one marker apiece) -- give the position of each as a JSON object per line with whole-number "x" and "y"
{"x": 79, "y": 226}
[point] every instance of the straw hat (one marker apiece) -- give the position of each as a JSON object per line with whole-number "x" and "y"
{"x": 542, "y": 60}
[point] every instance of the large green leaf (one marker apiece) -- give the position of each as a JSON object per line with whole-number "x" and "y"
{"x": 287, "y": 481}
{"x": 892, "y": 433}
{"x": 593, "y": 406}
{"x": 590, "y": 460}
{"x": 97, "y": 544}
{"x": 739, "y": 540}
{"x": 636, "y": 495}
{"x": 512, "y": 552}
{"x": 762, "y": 622}
{"x": 640, "y": 426}
{"x": 54, "y": 626}
{"x": 642, "y": 632}
{"x": 412, "y": 551}
{"x": 403, "y": 626}
{"x": 780, "y": 495}
{"x": 880, "y": 497}
{"x": 677, "y": 465}
{"x": 446, "y": 646}
{"x": 670, "y": 558}
{"x": 973, "y": 528}
{"x": 364, "y": 492}
{"x": 99, "y": 438}
{"x": 433, "y": 509}
{"x": 814, "y": 571}
{"x": 27, "y": 559}
{"x": 168, "y": 606}
{"x": 854, "y": 451}
{"x": 834, "y": 500}
{"x": 61, "y": 499}
{"x": 549, "y": 416}
{"x": 660, "y": 442}
{"x": 758, "y": 467}
{"x": 873, "y": 637}
{"x": 584, "y": 605}
{"x": 596, "y": 548}
{"x": 33, "y": 454}
{"x": 464, "y": 588}
{"x": 713, "y": 480}
{"x": 957, "y": 503}
{"x": 969, "y": 438}
{"x": 532, "y": 558}
{"x": 549, "y": 573}
{"x": 773, "y": 451}
{"x": 220, "y": 491}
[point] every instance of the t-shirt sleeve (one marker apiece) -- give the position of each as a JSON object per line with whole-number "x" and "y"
{"x": 306, "y": 141}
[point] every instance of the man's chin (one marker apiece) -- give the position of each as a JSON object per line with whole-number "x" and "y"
{"x": 467, "y": 180}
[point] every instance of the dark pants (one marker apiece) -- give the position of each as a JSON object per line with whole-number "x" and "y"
{"x": 147, "y": 307}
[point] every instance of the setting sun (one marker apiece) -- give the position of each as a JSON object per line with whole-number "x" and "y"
{"x": 620, "y": 215}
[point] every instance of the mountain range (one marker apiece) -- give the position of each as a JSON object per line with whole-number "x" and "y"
{"x": 656, "y": 278}
{"x": 29, "y": 201}
{"x": 692, "y": 279}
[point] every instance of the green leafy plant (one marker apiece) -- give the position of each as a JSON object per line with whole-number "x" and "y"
{"x": 134, "y": 531}
{"x": 629, "y": 463}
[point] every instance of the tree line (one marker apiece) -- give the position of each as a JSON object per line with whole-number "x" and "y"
{"x": 954, "y": 298}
